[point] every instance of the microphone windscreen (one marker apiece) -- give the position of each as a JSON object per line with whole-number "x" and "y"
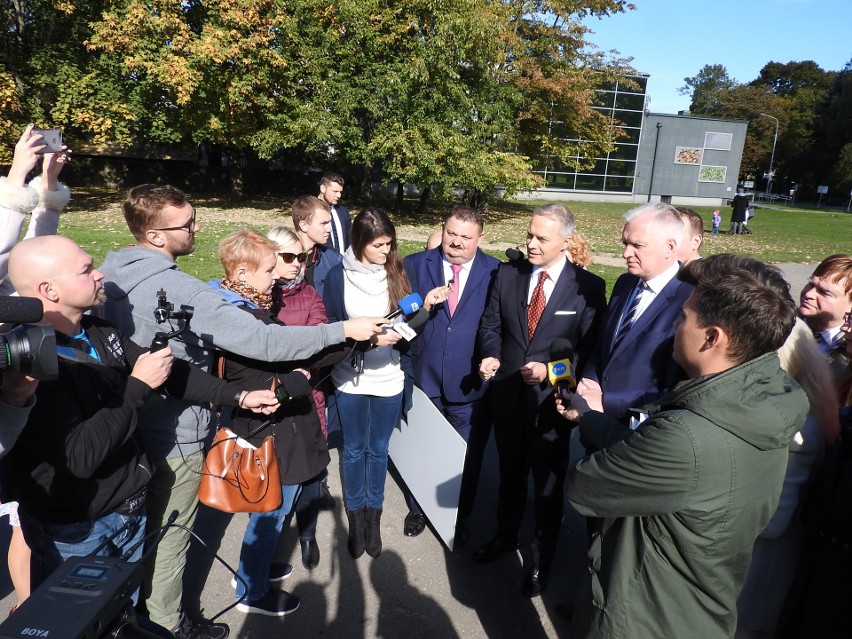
{"x": 20, "y": 310}
{"x": 514, "y": 254}
{"x": 296, "y": 384}
{"x": 561, "y": 348}
{"x": 419, "y": 319}
{"x": 410, "y": 304}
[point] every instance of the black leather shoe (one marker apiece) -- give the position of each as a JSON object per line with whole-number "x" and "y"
{"x": 414, "y": 524}
{"x": 492, "y": 550}
{"x": 310, "y": 553}
{"x": 535, "y": 582}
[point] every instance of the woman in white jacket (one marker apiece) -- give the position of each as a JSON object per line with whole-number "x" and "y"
{"x": 44, "y": 197}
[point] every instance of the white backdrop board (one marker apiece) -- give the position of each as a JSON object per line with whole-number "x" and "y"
{"x": 429, "y": 454}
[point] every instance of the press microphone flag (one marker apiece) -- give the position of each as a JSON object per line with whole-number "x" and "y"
{"x": 560, "y": 368}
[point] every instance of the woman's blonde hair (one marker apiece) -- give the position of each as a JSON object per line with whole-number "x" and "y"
{"x": 801, "y": 358}
{"x": 578, "y": 250}
{"x": 284, "y": 236}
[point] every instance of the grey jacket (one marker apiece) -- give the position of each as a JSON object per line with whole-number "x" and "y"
{"x": 682, "y": 500}
{"x": 170, "y": 427}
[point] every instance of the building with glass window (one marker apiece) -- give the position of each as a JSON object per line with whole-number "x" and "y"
{"x": 681, "y": 159}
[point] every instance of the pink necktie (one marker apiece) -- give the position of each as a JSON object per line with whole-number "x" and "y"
{"x": 453, "y": 299}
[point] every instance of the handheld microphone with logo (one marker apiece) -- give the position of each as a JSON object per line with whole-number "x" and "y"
{"x": 408, "y": 328}
{"x": 560, "y": 368}
{"x": 408, "y": 305}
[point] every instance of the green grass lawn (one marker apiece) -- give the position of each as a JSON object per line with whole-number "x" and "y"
{"x": 93, "y": 218}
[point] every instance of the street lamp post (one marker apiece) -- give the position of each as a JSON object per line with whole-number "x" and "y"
{"x": 772, "y": 157}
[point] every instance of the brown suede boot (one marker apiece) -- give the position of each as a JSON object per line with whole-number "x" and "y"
{"x": 374, "y": 532}
{"x": 357, "y": 532}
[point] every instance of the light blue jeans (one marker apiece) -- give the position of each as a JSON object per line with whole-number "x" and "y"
{"x": 260, "y": 542}
{"x": 52, "y": 544}
{"x": 367, "y": 422}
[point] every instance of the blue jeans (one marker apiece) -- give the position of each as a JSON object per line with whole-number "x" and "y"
{"x": 367, "y": 422}
{"x": 260, "y": 542}
{"x": 52, "y": 544}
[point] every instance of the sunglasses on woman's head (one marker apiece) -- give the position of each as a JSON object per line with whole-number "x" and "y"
{"x": 289, "y": 257}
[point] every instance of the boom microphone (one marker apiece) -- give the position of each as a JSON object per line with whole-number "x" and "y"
{"x": 407, "y": 306}
{"x": 560, "y": 368}
{"x": 20, "y": 310}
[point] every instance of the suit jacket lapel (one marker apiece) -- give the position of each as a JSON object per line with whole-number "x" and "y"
{"x": 650, "y": 314}
{"x": 475, "y": 277}
{"x": 565, "y": 286}
{"x": 522, "y": 286}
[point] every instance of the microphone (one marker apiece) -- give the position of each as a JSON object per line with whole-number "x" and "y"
{"x": 560, "y": 368}
{"x": 408, "y": 328}
{"x": 20, "y": 310}
{"x": 408, "y": 305}
{"x": 293, "y": 385}
{"x": 514, "y": 254}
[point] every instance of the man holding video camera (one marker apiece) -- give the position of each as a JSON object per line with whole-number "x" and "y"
{"x": 78, "y": 469}
{"x": 175, "y": 432}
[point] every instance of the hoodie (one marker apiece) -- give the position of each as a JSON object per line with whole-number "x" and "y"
{"x": 681, "y": 501}
{"x": 171, "y": 427}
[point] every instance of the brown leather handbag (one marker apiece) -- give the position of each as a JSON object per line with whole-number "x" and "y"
{"x": 239, "y": 478}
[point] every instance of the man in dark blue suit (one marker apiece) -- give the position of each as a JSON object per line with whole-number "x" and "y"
{"x": 632, "y": 363}
{"x": 532, "y": 304}
{"x": 331, "y": 188}
{"x": 444, "y": 356}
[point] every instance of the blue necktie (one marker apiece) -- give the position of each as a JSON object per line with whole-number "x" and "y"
{"x": 630, "y": 316}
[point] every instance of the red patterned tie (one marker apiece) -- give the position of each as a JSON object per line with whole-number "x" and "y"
{"x": 536, "y": 304}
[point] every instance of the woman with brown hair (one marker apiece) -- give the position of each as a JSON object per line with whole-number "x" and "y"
{"x": 369, "y": 392}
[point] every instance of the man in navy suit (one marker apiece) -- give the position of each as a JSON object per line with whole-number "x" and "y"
{"x": 331, "y": 188}
{"x": 533, "y": 303}
{"x": 444, "y": 356}
{"x": 632, "y": 364}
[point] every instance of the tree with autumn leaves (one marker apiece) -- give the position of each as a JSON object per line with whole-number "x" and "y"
{"x": 439, "y": 93}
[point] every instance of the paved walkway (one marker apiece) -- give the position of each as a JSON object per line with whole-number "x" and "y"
{"x": 416, "y": 588}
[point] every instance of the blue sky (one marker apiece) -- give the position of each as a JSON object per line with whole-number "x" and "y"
{"x": 673, "y": 40}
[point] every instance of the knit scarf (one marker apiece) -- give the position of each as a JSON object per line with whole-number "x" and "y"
{"x": 261, "y": 300}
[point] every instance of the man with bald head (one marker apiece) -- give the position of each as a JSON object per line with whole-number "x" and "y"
{"x": 78, "y": 470}
{"x": 633, "y": 363}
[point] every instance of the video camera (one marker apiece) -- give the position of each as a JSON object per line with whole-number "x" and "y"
{"x": 27, "y": 349}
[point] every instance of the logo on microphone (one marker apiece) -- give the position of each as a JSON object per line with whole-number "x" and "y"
{"x": 559, "y": 368}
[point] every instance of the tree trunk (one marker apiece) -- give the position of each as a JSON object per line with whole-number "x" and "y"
{"x": 424, "y": 198}
{"x": 235, "y": 174}
{"x": 400, "y": 196}
{"x": 367, "y": 181}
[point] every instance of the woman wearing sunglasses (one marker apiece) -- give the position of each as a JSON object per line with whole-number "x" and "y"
{"x": 296, "y": 303}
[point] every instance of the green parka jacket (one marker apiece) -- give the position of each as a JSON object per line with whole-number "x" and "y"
{"x": 681, "y": 501}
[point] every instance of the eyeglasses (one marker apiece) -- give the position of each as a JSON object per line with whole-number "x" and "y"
{"x": 185, "y": 227}
{"x": 289, "y": 257}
